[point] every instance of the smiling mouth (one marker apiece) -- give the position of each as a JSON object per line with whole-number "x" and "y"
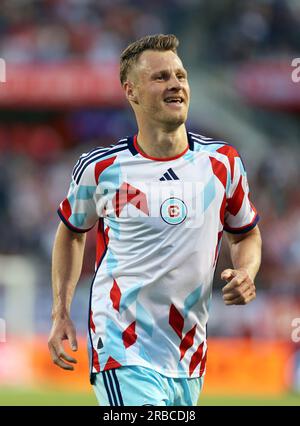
{"x": 174, "y": 100}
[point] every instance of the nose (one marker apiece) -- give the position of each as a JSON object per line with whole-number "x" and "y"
{"x": 174, "y": 83}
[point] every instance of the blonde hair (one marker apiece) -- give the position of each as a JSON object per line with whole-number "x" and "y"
{"x": 131, "y": 54}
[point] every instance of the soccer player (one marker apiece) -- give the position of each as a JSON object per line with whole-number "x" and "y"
{"x": 161, "y": 200}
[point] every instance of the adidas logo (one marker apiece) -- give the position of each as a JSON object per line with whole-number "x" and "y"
{"x": 169, "y": 175}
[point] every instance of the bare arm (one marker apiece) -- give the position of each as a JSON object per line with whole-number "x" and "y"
{"x": 67, "y": 257}
{"x": 245, "y": 250}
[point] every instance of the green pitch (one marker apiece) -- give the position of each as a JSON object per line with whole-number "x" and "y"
{"x": 11, "y": 396}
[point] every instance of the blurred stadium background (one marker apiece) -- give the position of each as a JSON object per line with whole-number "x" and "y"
{"x": 62, "y": 97}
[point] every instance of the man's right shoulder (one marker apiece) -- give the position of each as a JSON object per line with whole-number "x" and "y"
{"x": 88, "y": 160}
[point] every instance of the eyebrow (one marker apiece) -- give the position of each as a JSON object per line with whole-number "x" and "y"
{"x": 166, "y": 71}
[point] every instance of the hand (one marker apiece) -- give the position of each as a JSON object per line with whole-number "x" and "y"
{"x": 240, "y": 288}
{"x": 62, "y": 329}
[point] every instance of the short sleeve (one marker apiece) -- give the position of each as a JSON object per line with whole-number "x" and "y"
{"x": 240, "y": 214}
{"x": 78, "y": 210}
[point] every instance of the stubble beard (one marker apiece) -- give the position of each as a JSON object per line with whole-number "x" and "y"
{"x": 166, "y": 119}
{"x": 172, "y": 121}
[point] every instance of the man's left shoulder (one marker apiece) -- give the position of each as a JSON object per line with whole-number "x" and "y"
{"x": 212, "y": 145}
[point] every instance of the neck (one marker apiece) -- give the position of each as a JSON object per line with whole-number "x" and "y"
{"x": 162, "y": 143}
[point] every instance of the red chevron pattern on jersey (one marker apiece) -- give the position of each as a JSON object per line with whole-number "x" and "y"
{"x": 92, "y": 325}
{"x": 187, "y": 342}
{"x": 102, "y": 242}
{"x": 231, "y": 154}
{"x": 95, "y": 358}
{"x": 66, "y": 209}
{"x": 96, "y": 363}
{"x": 115, "y": 295}
{"x": 111, "y": 363}
{"x": 129, "y": 194}
{"x": 234, "y": 203}
{"x": 220, "y": 233}
{"x": 196, "y": 358}
{"x": 222, "y": 210}
{"x": 176, "y": 320}
{"x": 129, "y": 335}
{"x": 219, "y": 170}
{"x": 106, "y": 236}
{"x": 203, "y": 364}
{"x": 102, "y": 165}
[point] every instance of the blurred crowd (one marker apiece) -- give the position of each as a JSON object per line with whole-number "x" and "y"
{"x": 233, "y": 30}
{"x": 38, "y": 150}
{"x": 276, "y": 189}
{"x": 59, "y": 30}
{"x": 92, "y": 30}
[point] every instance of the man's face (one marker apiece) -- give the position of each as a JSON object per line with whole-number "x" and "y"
{"x": 161, "y": 88}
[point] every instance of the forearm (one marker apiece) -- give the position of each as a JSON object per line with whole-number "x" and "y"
{"x": 67, "y": 260}
{"x": 246, "y": 252}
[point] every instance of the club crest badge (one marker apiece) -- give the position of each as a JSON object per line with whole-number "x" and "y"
{"x": 173, "y": 211}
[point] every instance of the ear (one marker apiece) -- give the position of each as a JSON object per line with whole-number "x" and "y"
{"x": 130, "y": 91}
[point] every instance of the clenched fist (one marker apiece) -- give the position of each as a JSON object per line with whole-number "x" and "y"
{"x": 240, "y": 288}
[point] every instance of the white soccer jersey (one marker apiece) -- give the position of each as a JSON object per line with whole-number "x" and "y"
{"x": 160, "y": 225}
